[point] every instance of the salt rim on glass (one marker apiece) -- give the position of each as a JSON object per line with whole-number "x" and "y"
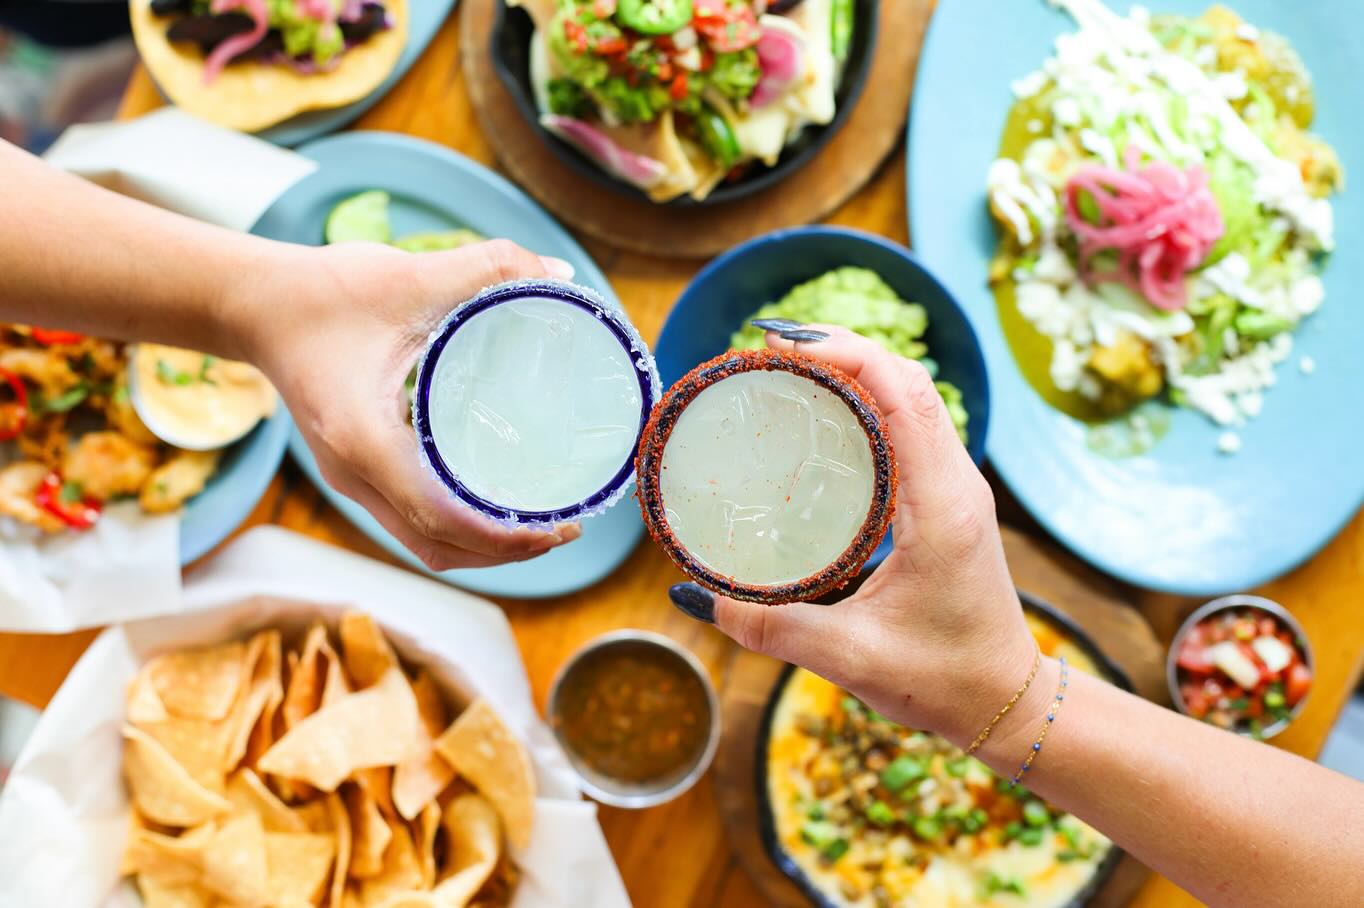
{"x": 619, "y": 328}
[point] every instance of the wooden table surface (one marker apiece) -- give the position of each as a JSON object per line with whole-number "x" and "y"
{"x": 676, "y": 855}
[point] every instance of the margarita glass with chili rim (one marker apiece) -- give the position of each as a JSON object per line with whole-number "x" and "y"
{"x": 529, "y": 401}
{"x": 767, "y": 476}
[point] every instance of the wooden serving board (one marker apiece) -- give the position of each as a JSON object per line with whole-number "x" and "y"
{"x": 839, "y": 170}
{"x": 1039, "y": 568}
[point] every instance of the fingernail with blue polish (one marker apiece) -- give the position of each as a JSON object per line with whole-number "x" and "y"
{"x": 695, "y": 601}
{"x": 776, "y": 324}
{"x": 805, "y": 334}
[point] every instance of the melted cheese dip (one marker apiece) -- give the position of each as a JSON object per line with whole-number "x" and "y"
{"x": 196, "y": 401}
{"x": 877, "y": 815}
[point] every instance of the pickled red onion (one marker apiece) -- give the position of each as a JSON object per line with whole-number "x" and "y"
{"x": 635, "y": 169}
{"x": 1160, "y": 220}
{"x": 236, "y": 45}
{"x": 781, "y": 58}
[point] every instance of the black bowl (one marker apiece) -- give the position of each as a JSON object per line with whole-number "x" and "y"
{"x": 511, "y": 61}
{"x": 767, "y": 827}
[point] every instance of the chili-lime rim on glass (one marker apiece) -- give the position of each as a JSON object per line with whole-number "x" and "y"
{"x": 530, "y": 399}
{"x": 767, "y": 476}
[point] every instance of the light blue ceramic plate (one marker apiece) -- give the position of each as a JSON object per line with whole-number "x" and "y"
{"x": 425, "y": 18}
{"x": 245, "y": 472}
{"x": 433, "y": 188}
{"x": 1182, "y": 518}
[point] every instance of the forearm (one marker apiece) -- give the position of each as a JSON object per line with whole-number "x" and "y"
{"x": 80, "y": 257}
{"x": 1232, "y": 821}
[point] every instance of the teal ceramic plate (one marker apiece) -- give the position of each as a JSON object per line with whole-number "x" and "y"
{"x": 246, "y": 470}
{"x": 432, "y": 188}
{"x": 1181, "y": 518}
{"x": 425, "y": 18}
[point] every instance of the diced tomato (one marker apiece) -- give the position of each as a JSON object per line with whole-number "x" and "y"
{"x": 708, "y": 9}
{"x": 732, "y": 28}
{"x": 665, "y": 72}
{"x": 1268, "y": 627}
{"x": 1255, "y": 708}
{"x": 1265, "y": 674}
{"x": 1297, "y": 684}
{"x": 707, "y": 59}
{"x": 576, "y": 35}
{"x": 1216, "y": 632}
{"x": 603, "y": 9}
{"x": 609, "y": 47}
{"x": 1194, "y": 700}
{"x": 50, "y": 336}
{"x": 1193, "y": 656}
{"x": 679, "y": 89}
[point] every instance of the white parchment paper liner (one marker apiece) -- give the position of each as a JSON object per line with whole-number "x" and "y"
{"x": 63, "y": 815}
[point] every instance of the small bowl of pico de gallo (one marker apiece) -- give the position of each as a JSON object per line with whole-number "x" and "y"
{"x": 1241, "y": 663}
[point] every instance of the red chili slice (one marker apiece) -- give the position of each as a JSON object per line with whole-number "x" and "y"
{"x": 50, "y": 336}
{"x": 79, "y": 515}
{"x": 14, "y": 415}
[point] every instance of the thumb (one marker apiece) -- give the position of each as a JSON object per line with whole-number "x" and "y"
{"x": 799, "y": 632}
{"x": 491, "y": 262}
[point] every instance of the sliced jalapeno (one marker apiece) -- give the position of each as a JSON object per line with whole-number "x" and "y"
{"x": 717, "y": 137}
{"x": 654, "y": 17}
{"x": 842, "y": 14}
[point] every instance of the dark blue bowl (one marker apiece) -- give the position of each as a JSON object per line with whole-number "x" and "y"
{"x": 735, "y": 285}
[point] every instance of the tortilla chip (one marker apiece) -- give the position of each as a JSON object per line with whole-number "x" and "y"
{"x": 263, "y": 691}
{"x": 485, "y": 752}
{"x": 199, "y": 683}
{"x": 144, "y": 704}
{"x": 169, "y": 860}
{"x": 418, "y": 781}
{"x": 336, "y": 810}
{"x": 370, "y": 833}
{"x": 368, "y": 657}
{"x": 373, "y": 727}
{"x": 157, "y": 894}
{"x": 424, "y": 840}
{"x": 161, "y": 788}
{"x": 251, "y": 96}
{"x": 235, "y": 864}
{"x": 307, "y": 677}
{"x": 298, "y": 864}
{"x": 401, "y": 871}
{"x": 474, "y": 843}
{"x": 249, "y": 794}
{"x": 195, "y": 744}
{"x": 316, "y": 816}
{"x": 378, "y": 783}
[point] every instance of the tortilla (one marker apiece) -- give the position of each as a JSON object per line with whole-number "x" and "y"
{"x": 252, "y": 96}
{"x": 198, "y": 683}
{"x": 298, "y": 864}
{"x": 162, "y": 789}
{"x": 371, "y": 833}
{"x": 401, "y": 871}
{"x": 424, "y": 839}
{"x": 235, "y": 863}
{"x": 158, "y": 894}
{"x": 249, "y": 794}
{"x": 471, "y": 827}
{"x": 418, "y": 781}
{"x": 485, "y": 752}
{"x": 336, "y": 810}
{"x": 373, "y": 727}
{"x": 169, "y": 860}
{"x": 366, "y": 653}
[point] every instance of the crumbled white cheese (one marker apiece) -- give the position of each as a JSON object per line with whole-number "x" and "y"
{"x": 1307, "y": 365}
{"x": 1247, "y": 32}
{"x": 1228, "y": 443}
{"x": 1029, "y": 85}
{"x": 1035, "y": 126}
{"x": 1066, "y": 111}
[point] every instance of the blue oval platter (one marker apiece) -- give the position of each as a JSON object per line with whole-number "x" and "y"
{"x": 1181, "y": 518}
{"x": 433, "y": 188}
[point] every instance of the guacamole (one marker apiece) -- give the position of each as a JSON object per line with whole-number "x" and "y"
{"x": 858, "y": 299}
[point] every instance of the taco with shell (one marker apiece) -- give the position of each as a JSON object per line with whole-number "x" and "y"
{"x": 251, "y": 64}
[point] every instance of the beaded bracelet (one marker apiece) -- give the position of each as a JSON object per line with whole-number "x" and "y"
{"x": 1053, "y": 709}
{"x": 1018, "y": 695}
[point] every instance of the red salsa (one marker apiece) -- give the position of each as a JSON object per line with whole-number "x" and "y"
{"x": 633, "y": 712}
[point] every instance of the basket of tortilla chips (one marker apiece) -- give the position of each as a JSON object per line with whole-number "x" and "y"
{"x": 261, "y": 750}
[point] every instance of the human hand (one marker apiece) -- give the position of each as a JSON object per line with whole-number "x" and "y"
{"x": 337, "y": 329}
{"x": 935, "y": 638}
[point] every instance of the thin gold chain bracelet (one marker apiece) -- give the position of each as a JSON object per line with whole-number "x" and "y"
{"x": 1053, "y": 710}
{"x": 1018, "y": 695}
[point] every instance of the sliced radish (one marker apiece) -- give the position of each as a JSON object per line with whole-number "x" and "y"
{"x": 635, "y": 169}
{"x": 781, "y": 55}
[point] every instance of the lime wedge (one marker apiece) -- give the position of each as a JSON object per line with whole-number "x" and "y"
{"x": 437, "y": 241}
{"x": 360, "y": 217}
